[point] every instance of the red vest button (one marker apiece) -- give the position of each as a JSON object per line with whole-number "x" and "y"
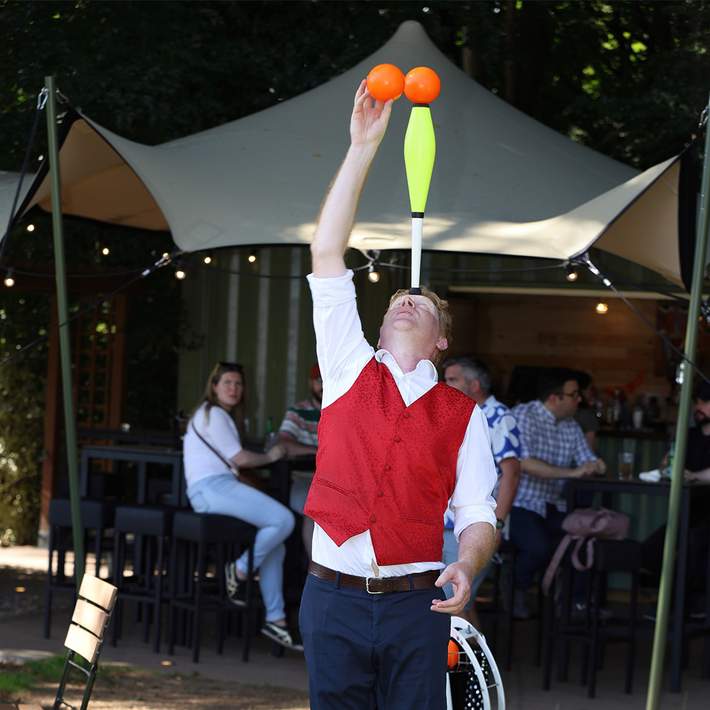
{"x": 406, "y": 415}
{"x": 397, "y": 439}
{"x": 380, "y": 494}
{"x": 388, "y": 467}
{"x": 373, "y": 519}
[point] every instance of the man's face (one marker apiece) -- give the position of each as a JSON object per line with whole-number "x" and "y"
{"x": 454, "y": 376}
{"x": 701, "y": 412}
{"x": 568, "y": 400}
{"x": 415, "y": 316}
{"x": 317, "y": 389}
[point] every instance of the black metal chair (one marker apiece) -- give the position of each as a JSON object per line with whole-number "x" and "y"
{"x": 96, "y": 519}
{"x": 148, "y": 529}
{"x": 198, "y": 587}
{"x": 562, "y": 626}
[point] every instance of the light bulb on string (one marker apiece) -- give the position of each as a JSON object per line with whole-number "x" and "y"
{"x": 105, "y": 251}
{"x": 252, "y": 258}
{"x": 9, "y": 281}
{"x": 180, "y": 274}
{"x": 372, "y": 275}
{"x": 207, "y": 259}
{"x": 602, "y": 308}
{"x": 572, "y": 275}
{"x": 30, "y": 228}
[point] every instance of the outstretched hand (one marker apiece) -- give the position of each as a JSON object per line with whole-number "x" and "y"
{"x": 459, "y": 574}
{"x": 370, "y": 118}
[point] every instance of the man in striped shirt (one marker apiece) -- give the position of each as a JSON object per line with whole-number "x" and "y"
{"x": 299, "y": 435}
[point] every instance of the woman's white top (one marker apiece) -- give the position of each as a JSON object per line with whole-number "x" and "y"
{"x": 221, "y": 432}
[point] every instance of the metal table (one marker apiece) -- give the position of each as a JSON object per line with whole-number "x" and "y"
{"x": 141, "y": 455}
{"x": 609, "y": 486}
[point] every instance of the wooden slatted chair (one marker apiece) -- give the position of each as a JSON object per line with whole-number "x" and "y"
{"x": 85, "y": 637}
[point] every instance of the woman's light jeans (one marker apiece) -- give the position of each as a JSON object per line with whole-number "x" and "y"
{"x": 223, "y": 494}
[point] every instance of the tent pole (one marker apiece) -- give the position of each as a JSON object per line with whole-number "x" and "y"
{"x": 681, "y": 436}
{"x": 64, "y": 342}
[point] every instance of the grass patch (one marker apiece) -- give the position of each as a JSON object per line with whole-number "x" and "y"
{"x": 14, "y": 679}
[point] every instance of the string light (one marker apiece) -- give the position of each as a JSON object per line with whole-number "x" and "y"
{"x": 602, "y": 308}
{"x": 207, "y": 259}
{"x": 251, "y": 258}
{"x": 30, "y": 228}
{"x": 9, "y": 280}
{"x": 572, "y": 275}
{"x": 180, "y": 274}
{"x": 105, "y": 251}
{"x": 372, "y": 256}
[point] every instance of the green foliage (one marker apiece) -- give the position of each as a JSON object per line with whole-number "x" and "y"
{"x": 23, "y": 318}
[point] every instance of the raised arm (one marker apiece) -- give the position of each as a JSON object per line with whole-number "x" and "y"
{"x": 367, "y": 127}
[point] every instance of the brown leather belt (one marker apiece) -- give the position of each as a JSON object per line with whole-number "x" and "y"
{"x": 375, "y": 585}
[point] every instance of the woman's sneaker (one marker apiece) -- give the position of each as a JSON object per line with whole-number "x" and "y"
{"x": 282, "y": 636}
{"x": 235, "y": 588}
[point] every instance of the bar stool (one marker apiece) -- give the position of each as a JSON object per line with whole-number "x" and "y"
{"x": 97, "y": 518}
{"x": 590, "y": 631}
{"x": 197, "y": 537}
{"x": 150, "y": 527}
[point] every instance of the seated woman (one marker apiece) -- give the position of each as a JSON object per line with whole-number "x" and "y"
{"x": 213, "y": 454}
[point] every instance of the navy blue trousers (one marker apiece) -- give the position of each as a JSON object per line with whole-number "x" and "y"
{"x": 365, "y": 651}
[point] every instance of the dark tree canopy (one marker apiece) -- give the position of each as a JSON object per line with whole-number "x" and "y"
{"x": 626, "y": 78}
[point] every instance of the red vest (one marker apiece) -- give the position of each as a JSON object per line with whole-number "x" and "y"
{"x": 388, "y": 468}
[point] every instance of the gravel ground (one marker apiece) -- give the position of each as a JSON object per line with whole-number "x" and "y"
{"x": 125, "y": 687}
{"x": 130, "y": 689}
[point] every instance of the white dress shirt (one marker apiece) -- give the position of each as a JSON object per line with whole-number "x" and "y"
{"x": 343, "y": 353}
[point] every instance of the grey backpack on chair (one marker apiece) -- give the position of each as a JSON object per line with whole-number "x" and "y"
{"x": 585, "y": 524}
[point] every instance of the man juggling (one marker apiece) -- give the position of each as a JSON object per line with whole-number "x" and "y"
{"x": 395, "y": 448}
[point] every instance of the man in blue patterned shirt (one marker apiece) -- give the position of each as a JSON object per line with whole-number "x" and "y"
{"x": 556, "y": 450}
{"x": 473, "y": 378}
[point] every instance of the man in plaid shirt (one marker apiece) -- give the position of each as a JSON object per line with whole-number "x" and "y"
{"x": 556, "y": 450}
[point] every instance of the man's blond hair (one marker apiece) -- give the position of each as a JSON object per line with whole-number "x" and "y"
{"x": 442, "y": 309}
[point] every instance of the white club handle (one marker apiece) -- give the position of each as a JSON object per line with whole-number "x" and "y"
{"x": 417, "y": 229}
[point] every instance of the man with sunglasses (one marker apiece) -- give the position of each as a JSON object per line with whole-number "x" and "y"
{"x": 556, "y": 450}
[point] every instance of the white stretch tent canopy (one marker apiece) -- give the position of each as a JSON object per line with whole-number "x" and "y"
{"x": 8, "y": 189}
{"x": 503, "y": 183}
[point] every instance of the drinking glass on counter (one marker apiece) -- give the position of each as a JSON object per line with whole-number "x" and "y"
{"x": 626, "y": 465}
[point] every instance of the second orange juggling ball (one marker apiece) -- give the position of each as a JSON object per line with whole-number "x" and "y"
{"x": 422, "y": 85}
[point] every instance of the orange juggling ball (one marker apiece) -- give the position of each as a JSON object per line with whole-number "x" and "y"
{"x": 385, "y": 82}
{"x": 453, "y": 656}
{"x": 422, "y": 85}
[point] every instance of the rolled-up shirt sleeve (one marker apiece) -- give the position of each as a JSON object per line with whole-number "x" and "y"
{"x": 582, "y": 451}
{"x": 472, "y": 501}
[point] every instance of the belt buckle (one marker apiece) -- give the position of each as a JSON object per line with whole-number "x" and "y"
{"x": 367, "y": 586}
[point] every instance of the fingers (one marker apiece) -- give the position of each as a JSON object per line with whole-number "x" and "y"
{"x": 443, "y": 578}
{"x": 462, "y": 592}
{"x": 360, "y": 90}
{"x": 455, "y": 605}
